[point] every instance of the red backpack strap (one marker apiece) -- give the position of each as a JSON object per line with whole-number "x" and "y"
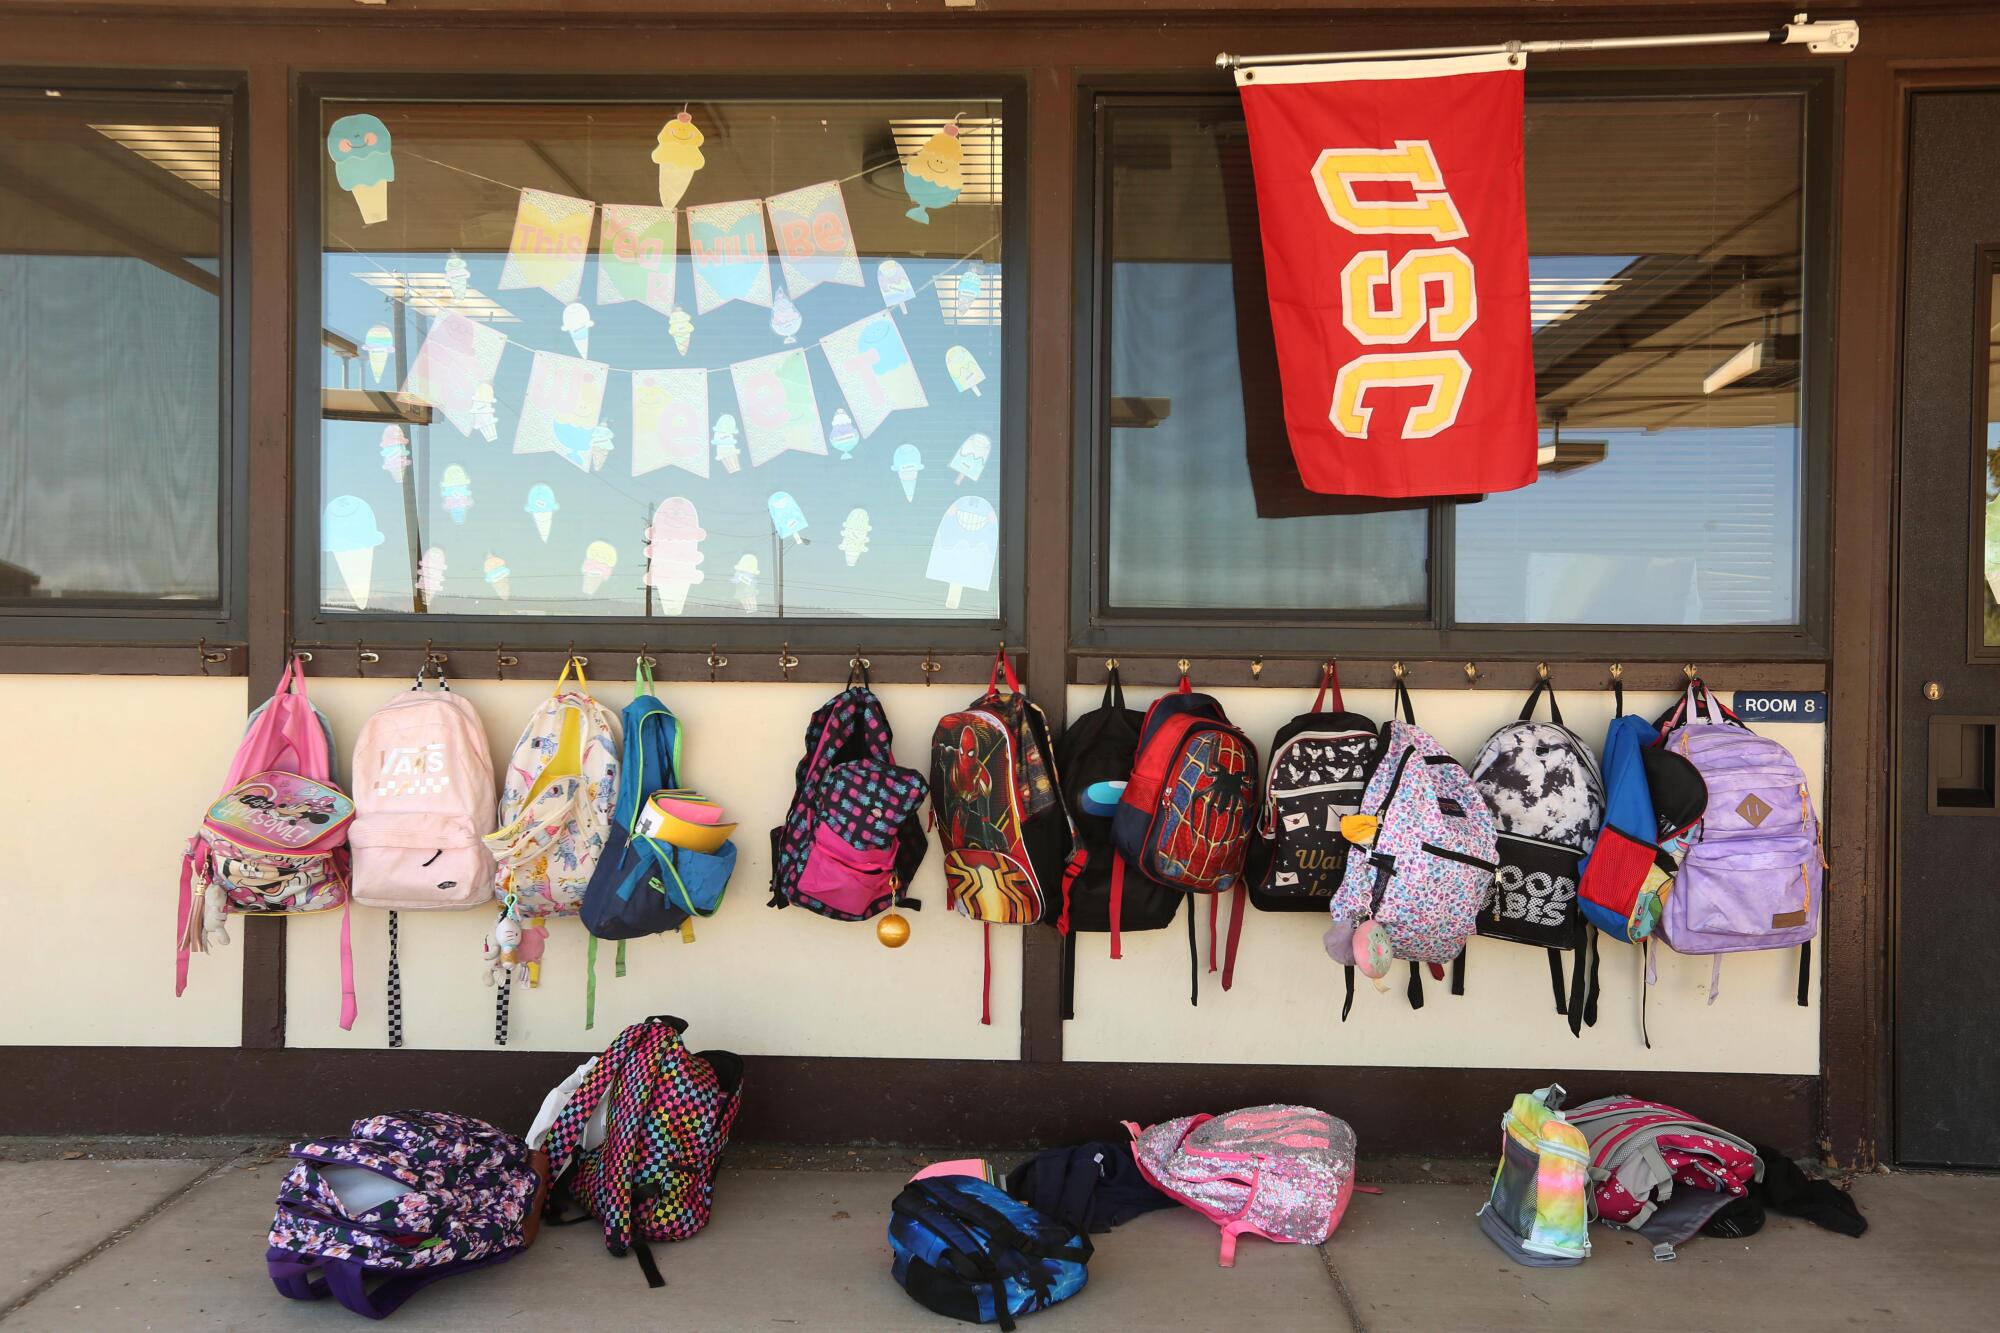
{"x": 1329, "y": 679}
{"x": 1238, "y": 901}
{"x": 1002, "y": 666}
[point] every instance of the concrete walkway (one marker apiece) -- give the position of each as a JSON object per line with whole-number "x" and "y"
{"x": 178, "y": 1245}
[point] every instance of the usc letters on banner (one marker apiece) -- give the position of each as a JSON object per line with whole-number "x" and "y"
{"x": 1395, "y": 231}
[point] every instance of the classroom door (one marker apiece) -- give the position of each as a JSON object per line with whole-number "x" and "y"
{"x": 1947, "y": 692}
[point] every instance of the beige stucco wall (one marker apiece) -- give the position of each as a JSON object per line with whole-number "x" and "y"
{"x": 756, "y": 980}
{"x": 110, "y": 775}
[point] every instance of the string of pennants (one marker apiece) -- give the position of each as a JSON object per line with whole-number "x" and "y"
{"x": 638, "y": 255}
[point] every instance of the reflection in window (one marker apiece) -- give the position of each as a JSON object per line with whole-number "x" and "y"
{"x": 111, "y": 227}
{"x": 1666, "y": 288}
{"x": 1204, "y": 505}
{"x": 1666, "y": 282}
{"x": 544, "y": 393}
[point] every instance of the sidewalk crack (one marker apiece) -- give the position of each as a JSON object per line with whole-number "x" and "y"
{"x": 1347, "y": 1304}
{"x": 161, "y": 1205}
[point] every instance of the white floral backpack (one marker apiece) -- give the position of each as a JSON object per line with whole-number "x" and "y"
{"x": 555, "y": 812}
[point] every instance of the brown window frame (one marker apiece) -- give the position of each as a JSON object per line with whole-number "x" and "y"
{"x": 165, "y": 637}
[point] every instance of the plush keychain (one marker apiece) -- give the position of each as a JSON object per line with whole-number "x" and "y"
{"x": 503, "y": 951}
{"x": 214, "y": 916}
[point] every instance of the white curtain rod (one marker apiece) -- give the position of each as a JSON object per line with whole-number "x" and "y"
{"x": 1837, "y": 37}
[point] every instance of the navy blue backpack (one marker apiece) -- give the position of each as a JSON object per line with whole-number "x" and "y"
{"x": 641, "y": 886}
{"x": 963, "y": 1248}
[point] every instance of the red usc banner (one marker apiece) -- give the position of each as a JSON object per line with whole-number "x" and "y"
{"x": 1396, "y": 251}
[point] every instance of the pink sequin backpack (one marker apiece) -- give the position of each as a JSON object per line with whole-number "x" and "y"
{"x": 1281, "y": 1172}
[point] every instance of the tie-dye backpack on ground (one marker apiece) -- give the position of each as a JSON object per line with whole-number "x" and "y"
{"x": 653, "y": 1175}
{"x": 403, "y": 1201}
{"x": 1538, "y": 1213}
{"x": 1281, "y": 1172}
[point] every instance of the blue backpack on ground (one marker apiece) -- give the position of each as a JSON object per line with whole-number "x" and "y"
{"x": 963, "y": 1248}
{"x": 642, "y": 886}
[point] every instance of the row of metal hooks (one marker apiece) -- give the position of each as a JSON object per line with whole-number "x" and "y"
{"x": 1401, "y": 672}
{"x": 435, "y": 659}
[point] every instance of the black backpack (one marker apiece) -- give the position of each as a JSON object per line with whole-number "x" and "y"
{"x": 1099, "y": 747}
{"x": 1547, "y": 795}
{"x": 1092, "y": 1187}
{"x": 1320, "y": 762}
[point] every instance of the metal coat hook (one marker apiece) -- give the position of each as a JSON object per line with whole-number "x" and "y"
{"x": 1256, "y": 668}
{"x": 1182, "y": 663}
{"x": 1541, "y": 671}
{"x": 715, "y": 662}
{"x": 1471, "y": 674}
{"x": 303, "y": 654}
{"x": 1398, "y": 670}
{"x": 1617, "y": 671}
{"x": 930, "y": 666}
{"x": 502, "y": 659}
{"x": 857, "y": 665}
{"x": 1110, "y": 664}
{"x": 645, "y": 657}
{"x": 786, "y": 662}
{"x": 364, "y": 658}
{"x": 1688, "y": 671}
{"x": 206, "y": 657}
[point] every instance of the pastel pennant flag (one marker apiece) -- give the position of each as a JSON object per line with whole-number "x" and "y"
{"x": 730, "y": 261}
{"x": 458, "y": 355}
{"x": 565, "y": 399}
{"x": 815, "y": 241}
{"x": 636, "y": 252}
{"x": 775, "y": 395}
{"x": 874, "y": 370}
{"x": 551, "y": 238}
{"x": 670, "y": 420}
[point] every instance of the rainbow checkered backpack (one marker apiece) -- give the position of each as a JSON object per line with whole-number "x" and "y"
{"x": 666, "y": 1121}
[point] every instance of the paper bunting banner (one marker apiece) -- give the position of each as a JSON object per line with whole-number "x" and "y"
{"x": 670, "y": 420}
{"x": 457, "y": 357}
{"x": 775, "y": 394}
{"x": 636, "y": 252}
{"x": 815, "y": 241}
{"x": 565, "y": 399}
{"x": 551, "y": 238}
{"x": 730, "y": 261}
{"x": 968, "y": 540}
{"x": 874, "y": 370}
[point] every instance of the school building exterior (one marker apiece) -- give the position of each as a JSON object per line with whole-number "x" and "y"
{"x": 369, "y": 332}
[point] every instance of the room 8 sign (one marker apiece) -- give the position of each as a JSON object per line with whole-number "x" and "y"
{"x": 1394, "y": 224}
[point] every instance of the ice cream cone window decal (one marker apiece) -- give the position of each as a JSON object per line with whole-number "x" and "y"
{"x": 363, "y": 163}
{"x": 577, "y": 313}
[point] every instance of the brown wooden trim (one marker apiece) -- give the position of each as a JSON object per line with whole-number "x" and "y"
{"x": 21, "y": 659}
{"x": 1051, "y": 237}
{"x": 268, "y": 147}
{"x": 1434, "y": 674}
{"x": 981, "y": 1104}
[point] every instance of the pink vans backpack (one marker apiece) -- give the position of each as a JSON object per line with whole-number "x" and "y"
{"x": 423, "y": 800}
{"x": 1281, "y": 1172}
{"x": 275, "y": 842}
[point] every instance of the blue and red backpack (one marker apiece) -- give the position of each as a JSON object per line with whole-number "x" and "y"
{"x": 1188, "y": 811}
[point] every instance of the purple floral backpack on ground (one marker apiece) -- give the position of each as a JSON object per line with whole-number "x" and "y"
{"x": 404, "y": 1200}
{"x": 665, "y": 1113}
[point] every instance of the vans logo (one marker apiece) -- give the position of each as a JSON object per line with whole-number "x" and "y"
{"x": 412, "y": 770}
{"x": 1753, "y": 809}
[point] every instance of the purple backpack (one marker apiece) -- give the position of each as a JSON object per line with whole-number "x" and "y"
{"x": 854, "y": 835}
{"x": 1752, "y": 875}
{"x": 404, "y": 1200}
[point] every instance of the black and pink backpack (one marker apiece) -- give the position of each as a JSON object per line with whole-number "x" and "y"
{"x": 853, "y": 836}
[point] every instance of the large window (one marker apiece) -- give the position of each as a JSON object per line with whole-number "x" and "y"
{"x": 1672, "y": 268}
{"x": 722, "y": 360}
{"x": 113, "y": 392}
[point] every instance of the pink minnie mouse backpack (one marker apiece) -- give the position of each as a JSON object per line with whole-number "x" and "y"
{"x": 1281, "y": 1172}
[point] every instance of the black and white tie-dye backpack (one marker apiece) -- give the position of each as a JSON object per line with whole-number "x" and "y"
{"x": 1547, "y": 795}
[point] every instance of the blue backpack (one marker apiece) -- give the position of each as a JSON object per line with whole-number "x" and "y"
{"x": 642, "y": 886}
{"x": 963, "y": 1248}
